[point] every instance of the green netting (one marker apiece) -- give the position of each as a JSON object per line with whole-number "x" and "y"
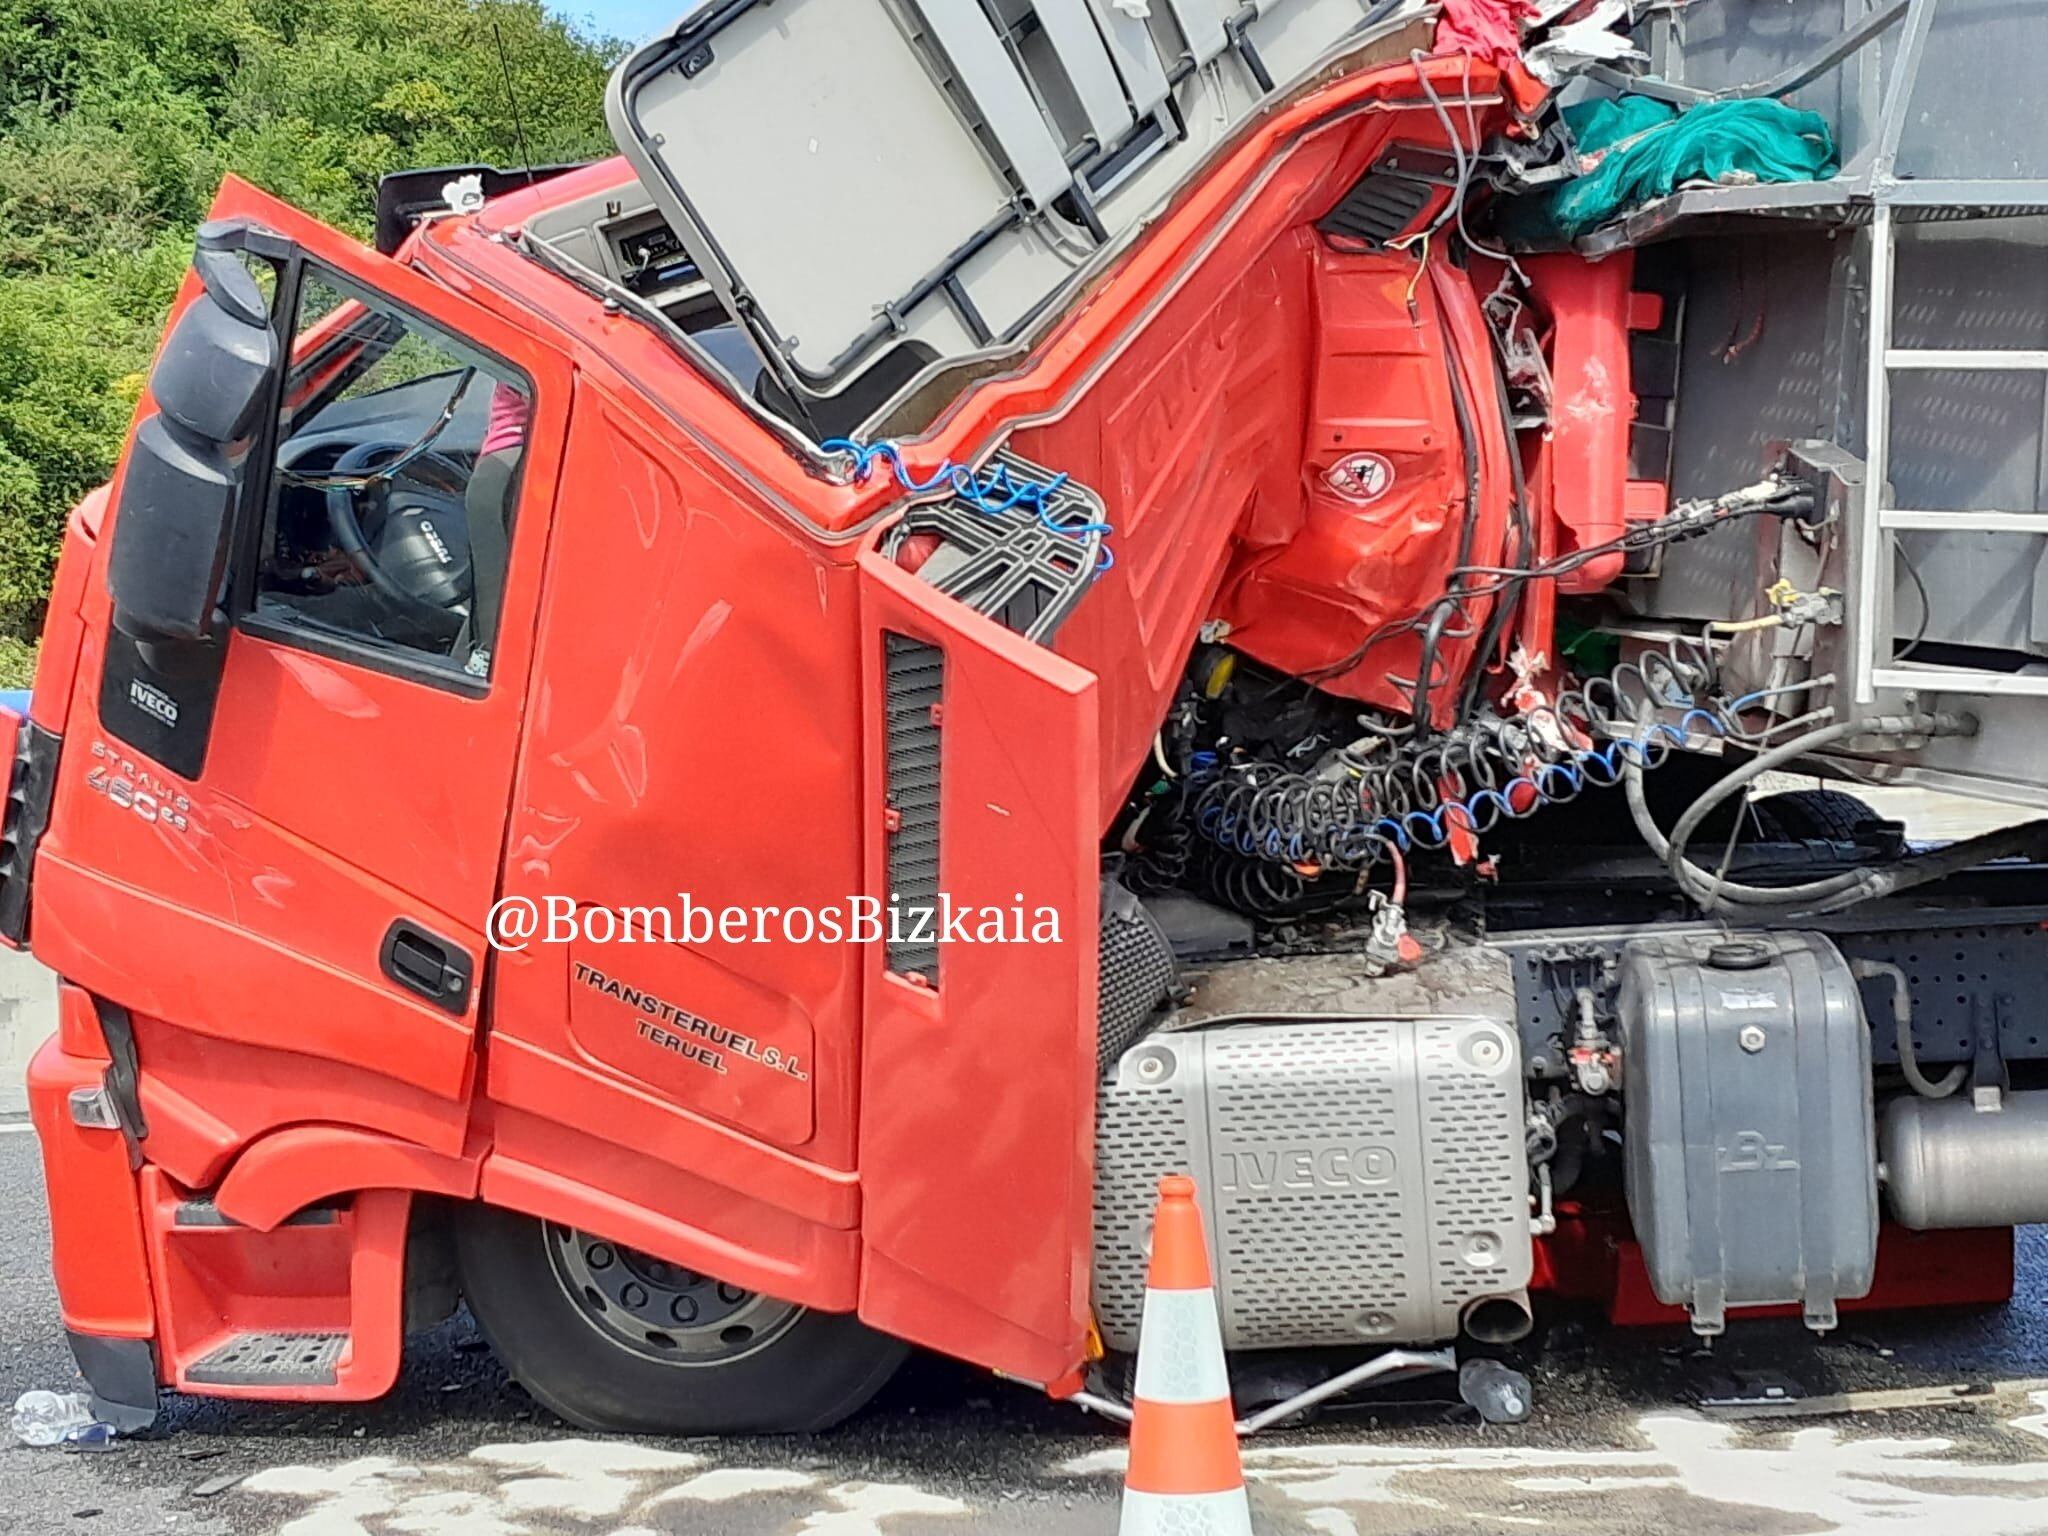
{"x": 1651, "y": 150}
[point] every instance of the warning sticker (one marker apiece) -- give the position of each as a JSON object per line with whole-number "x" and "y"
{"x": 1362, "y": 479}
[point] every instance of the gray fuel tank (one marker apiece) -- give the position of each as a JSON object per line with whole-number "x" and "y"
{"x": 1751, "y": 1155}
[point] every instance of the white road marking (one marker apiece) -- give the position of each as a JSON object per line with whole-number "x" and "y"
{"x": 17, "y": 1128}
{"x": 1674, "y": 1470}
{"x": 1830, "y": 1481}
{"x": 2035, "y": 1423}
{"x": 612, "y": 1488}
{"x": 726, "y": 1483}
{"x": 586, "y": 1479}
{"x": 864, "y": 1506}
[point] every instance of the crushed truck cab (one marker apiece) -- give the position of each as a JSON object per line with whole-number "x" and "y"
{"x": 726, "y": 754}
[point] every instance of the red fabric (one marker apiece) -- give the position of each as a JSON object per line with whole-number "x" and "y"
{"x": 1486, "y": 29}
{"x": 509, "y": 412}
{"x": 1525, "y": 93}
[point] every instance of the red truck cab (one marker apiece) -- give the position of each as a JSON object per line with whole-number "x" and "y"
{"x": 460, "y": 623}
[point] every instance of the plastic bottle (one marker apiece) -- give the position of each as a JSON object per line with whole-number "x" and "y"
{"x": 44, "y": 1418}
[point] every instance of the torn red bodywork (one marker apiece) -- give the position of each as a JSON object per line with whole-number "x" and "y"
{"x": 1303, "y": 442}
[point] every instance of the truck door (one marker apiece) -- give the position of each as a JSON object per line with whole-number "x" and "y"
{"x": 284, "y": 833}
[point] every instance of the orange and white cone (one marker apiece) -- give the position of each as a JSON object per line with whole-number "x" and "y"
{"x": 1184, "y": 1473}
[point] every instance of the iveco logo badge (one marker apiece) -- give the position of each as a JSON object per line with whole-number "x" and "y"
{"x": 1363, "y": 478}
{"x": 153, "y": 701}
{"x": 1277, "y": 1170}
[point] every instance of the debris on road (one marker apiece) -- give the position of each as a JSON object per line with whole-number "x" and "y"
{"x": 1953, "y": 1394}
{"x": 1497, "y": 1393}
{"x": 89, "y": 1437}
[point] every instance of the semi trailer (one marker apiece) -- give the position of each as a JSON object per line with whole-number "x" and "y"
{"x": 514, "y": 743}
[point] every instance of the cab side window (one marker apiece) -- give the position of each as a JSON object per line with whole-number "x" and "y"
{"x": 398, "y": 453}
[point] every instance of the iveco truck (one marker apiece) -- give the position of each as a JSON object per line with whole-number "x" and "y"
{"x": 724, "y": 755}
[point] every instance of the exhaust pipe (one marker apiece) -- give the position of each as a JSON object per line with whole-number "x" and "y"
{"x": 1501, "y": 1319}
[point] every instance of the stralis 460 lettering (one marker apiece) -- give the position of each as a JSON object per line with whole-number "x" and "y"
{"x": 1331, "y": 547}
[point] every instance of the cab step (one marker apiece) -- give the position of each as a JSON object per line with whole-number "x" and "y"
{"x": 271, "y": 1360}
{"x": 312, "y": 1310}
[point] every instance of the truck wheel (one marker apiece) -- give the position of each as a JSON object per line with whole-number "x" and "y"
{"x": 1815, "y": 815}
{"x": 614, "y": 1339}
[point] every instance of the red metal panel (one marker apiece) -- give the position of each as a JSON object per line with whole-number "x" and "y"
{"x": 696, "y": 1031}
{"x": 1588, "y": 305}
{"x": 1593, "y": 1257}
{"x": 95, "y": 1218}
{"x": 693, "y": 729}
{"x": 63, "y": 622}
{"x": 1191, "y": 436}
{"x": 1388, "y": 339}
{"x": 334, "y": 800}
{"x": 286, "y": 1172}
{"x": 538, "y": 1167}
{"x": 639, "y": 1128}
{"x": 213, "y": 1282}
{"x": 978, "y": 1097}
{"x": 234, "y": 981}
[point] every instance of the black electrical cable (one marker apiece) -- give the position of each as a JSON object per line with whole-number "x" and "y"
{"x": 1425, "y": 671}
{"x": 1468, "y": 531}
{"x": 1510, "y": 603}
{"x": 2029, "y": 838}
{"x": 1920, "y": 587}
{"x": 1688, "y": 521}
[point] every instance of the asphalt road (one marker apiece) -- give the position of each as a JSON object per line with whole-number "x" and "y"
{"x": 1613, "y": 1450}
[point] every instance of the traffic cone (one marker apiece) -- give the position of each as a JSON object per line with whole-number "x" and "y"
{"x": 1184, "y": 1474}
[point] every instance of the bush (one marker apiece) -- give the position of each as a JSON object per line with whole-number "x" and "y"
{"x": 118, "y": 119}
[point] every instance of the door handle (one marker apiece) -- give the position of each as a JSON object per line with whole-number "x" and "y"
{"x": 428, "y": 964}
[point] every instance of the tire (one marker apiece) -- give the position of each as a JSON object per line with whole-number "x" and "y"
{"x": 1816, "y": 815}
{"x": 614, "y": 1358}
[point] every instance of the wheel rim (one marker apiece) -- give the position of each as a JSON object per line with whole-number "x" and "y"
{"x": 662, "y": 1311}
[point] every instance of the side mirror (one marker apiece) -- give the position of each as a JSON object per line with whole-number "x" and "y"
{"x": 184, "y": 482}
{"x": 175, "y": 517}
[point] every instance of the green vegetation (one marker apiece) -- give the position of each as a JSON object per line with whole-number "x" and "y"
{"x": 118, "y": 119}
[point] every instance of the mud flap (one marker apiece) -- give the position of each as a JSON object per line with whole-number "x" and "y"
{"x": 122, "y": 1375}
{"x": 978, "y": 1057}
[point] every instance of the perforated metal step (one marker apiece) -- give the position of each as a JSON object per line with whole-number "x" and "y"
{"x": 272, "y": 1360}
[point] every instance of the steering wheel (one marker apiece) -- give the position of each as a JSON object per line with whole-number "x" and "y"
{"x": 342, "y": 509}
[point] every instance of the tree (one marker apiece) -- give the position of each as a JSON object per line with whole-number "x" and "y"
{"x": 118, "y": 119}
